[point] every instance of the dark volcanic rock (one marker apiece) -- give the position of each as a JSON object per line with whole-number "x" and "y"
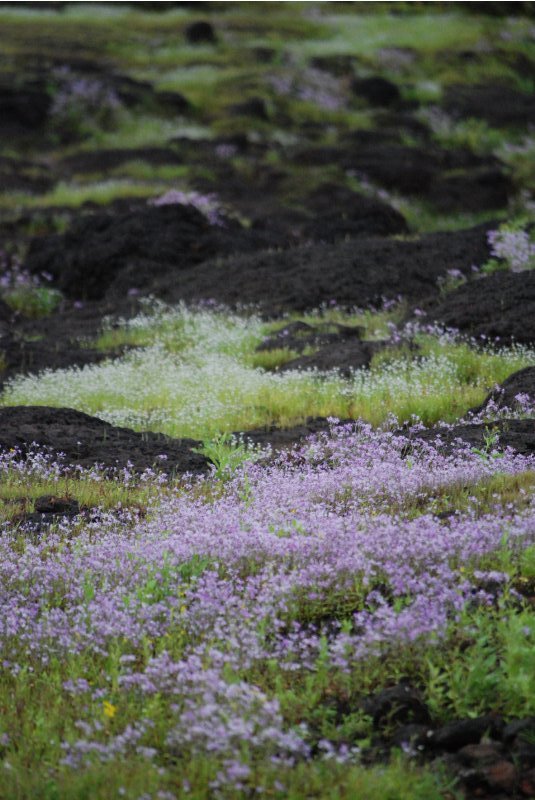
{"x": 253, "y": 107}
{"x": 339, "y": 65}
{"x": 18, "y": 175}
{"x": 498, "y": 104}
{"x": 480, "y": 754}
{"x": 340, "y": 213}
{"x": 397, "y": 124}
{"x": 519, "y": 728}
{"x": 65, "y": 329}
{"x": 343, "y": 357}
{"x": 86, "y": 440}
{"x": 516, "y": 433}
{"x": 27, "y": 102}
{"x": 6, "y": 316}
{"x": 86, "y": 260}
{"x": 23, "y": 108}
{"x": 521, "y": 382}
{"x": 49, "y": 509}
{"x": 299, "y": 335}
{"x": 376, "y": 91}
{"x": 500, "y": 305}
{"x": 171, "y": 102}
{"x": 50, "y": 504}
{"x": 200, "y": 32}
{"x": 414, "y": 735}
{"x": 358, "y": 272}
{"x": 101, "y": 160}
{"x": 482, "y": 189}
{"x": 395, "y": 166}
{"x": 20, "y": 356}
{"x": 455, "y": 735}
{"x": 408, "y": 169}
{"x": 402, "y": 704}
{"x": 449, "y": 179}
{"x": 284, "y": 438}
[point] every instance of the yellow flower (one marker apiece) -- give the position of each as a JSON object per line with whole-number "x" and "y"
{"x": 109, "y": 709}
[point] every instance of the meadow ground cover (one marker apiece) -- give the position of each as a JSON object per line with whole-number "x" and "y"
{"x": 351, "y": 616}
{"x": 198, "y": 641}
{"x": 197, "y": 373}
{"x": 220, "y": 635}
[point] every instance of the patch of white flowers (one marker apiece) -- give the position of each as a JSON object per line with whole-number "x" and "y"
{"x": 194, "y": 380}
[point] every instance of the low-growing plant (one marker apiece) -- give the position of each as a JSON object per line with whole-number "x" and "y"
{"x": 30, "y": 295}
{"x": 511, "y": 247}
{"x": 491, "y": 437}
{"x": 226, "y": 453}
{"x": 487, "y": 669}
{"x": 80, "y": 104}
{"x": 192, "y": 376}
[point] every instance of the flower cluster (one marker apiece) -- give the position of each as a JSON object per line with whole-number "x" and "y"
{"x": 207, "y": 204}
{"x": 317, "y": 557}
{"x": 79, "y": 103}
{"x": 30, "y": 294}
{"x": 14, "y": 277}
{"x": 326, "y": 518}
{"x": 514, "y": 246}
{"x": 312, "y": 86}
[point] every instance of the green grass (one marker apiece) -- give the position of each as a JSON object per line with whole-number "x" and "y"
{"x": 145, "y": 130}
{"x": 197, "y": 374}
{"x": 73, "y": 195}
{"x": 364, "y": 34}
{"x": 143, "y": 171}
{"x": 18, "y": 493}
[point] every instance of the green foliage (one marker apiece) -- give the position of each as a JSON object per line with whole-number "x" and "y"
{"x": 226, "y": 453}
{"x": 489, "y": 666}
{"x": 491, "y": 437}
{"x": 33, "y": 301}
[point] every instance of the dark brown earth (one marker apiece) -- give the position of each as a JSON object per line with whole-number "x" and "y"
{"x": 519, "y": 434}
{"x": 343, "y": 358}
{"x": 361, "y": 272}
{"x": 499, "y": 305}
{"x": 26, "y": 100}
{"x": 284, "y": 438}
{"x": 131, "y": 249}
{"x": 336, "y": 347}
{"x": 504, "y": 395}
{"x": 451, "y": 180}
{"x": 85, "y": 440}
{"x": 300, "y": 335}
{"x": 489, "y": 756}
{"x": 169, "y": 251}
{"x": 24, "y": 357}
{"x": 498, "y": 104}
